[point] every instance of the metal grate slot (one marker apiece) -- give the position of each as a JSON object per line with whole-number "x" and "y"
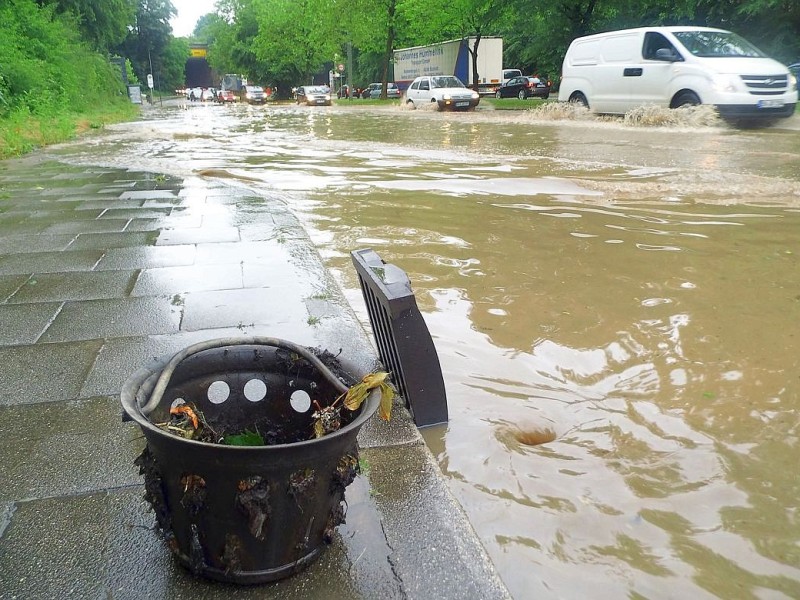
{"x": 404, "y": 343}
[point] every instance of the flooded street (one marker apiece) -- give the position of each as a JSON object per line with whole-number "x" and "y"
{"x": 616, "y": 309}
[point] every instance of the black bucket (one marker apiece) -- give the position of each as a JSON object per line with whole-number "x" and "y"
{"x": 246, "y": 514}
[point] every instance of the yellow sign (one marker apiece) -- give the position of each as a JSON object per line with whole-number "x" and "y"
{"x": 198, "y": 52}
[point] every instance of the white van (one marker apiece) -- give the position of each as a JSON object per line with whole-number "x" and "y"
{"x": 616, "y": 71}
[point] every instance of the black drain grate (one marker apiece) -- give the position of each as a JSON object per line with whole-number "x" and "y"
{"x": 404, "y": 343}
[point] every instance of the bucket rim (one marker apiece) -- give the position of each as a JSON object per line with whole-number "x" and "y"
{"x": 132, "y": 386}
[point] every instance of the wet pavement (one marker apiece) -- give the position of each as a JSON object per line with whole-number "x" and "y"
{"x": 103, "y": 270}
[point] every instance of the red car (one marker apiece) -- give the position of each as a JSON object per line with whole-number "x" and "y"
{"x": 224, "y": 96}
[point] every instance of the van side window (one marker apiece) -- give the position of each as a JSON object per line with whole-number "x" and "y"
{"x": 415, "y": 85}
{"x": 424, "y": 85}
{"x": 653, "y": 42}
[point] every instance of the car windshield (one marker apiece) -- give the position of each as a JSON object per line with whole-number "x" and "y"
{"x": 253, "y": 88}
{"x": 315, "y": 90}
{"x": 446, "y": 82}
{"x": 717, "y": 44}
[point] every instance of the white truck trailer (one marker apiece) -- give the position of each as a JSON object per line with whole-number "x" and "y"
{"x": 452, "y": 58}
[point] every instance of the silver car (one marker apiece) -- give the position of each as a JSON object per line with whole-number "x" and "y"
{"x": 314, "y": 95}
{"x": 374, "y": 91}
{"x": 254, "y": 94}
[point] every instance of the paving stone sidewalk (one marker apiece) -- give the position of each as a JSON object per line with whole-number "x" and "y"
{"x": 103, "y": 270}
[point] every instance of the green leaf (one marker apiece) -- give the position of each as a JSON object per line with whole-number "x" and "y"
{"x": 248, "y": 438}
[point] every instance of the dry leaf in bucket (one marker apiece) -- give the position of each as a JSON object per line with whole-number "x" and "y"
{"x": 358, "y": 393}
{"x": 328, "y": 419}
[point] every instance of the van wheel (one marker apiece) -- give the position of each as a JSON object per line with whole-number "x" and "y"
{"x": 579, "y": 99}
{"x": 521, "y": 95}
{"x": 410, "y": 104}
{"x": 686, "y": 99}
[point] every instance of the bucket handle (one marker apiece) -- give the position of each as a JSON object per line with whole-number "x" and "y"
{"x": 169, "y": 369}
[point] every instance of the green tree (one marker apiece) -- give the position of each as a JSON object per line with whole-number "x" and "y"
{"x": 102, "y": 23}
{"x": 173, "y": 65}
{"x": 148, "y": 40}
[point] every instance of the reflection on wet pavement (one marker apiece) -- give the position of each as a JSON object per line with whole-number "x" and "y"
{"x": 616, "y": 310}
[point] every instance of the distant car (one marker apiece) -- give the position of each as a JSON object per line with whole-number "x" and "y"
{"x": 194, "y": 93}
{"x": 254, "y": 94}
{"x": 207, "y": 95}
{"x": 224, "y": 96}
{"x": 373, "y": 91}
{"x": 446, "y": 91}
{"x": 314, "y": 95}
{"x": 524, "y": 87}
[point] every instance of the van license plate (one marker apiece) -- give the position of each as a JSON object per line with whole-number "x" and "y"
{"x": 770, "y": 104}
{"x": 462, "y": 103}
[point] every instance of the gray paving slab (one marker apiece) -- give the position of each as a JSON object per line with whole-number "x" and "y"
{"x": 191, "y": 278}
{"x": 114, "y": 317}
{"x": 65, "y": 448}
{"x": 244, "y": 307}
{"x": 118, "y": 239}
{"x": 10, "y": 284}
{"x": 146, "y": 257}
{"x": 49, "y": 262}
{"x": 92, "y": 225}
{"x": 45, "y": 372}
{"x": 197, "y": 235}
{"x": 19, "y": 243}
{"x": 88, "y": 285}
{"x": 25, "y": 323}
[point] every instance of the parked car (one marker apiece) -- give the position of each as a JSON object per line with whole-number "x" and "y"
{"x": 224, "y": 96}
{"x": 373, "y": 91}
{"x": 314, "y": 95}
{"x": 254, "y": 94}
{"x": 446, "y": 91}
{"x": 524, "y": 87}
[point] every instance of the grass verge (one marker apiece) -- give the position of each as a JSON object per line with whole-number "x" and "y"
{"x": 22, "y": 132}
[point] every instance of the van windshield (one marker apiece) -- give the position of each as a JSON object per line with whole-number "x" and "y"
{"x": 717, "y": 44}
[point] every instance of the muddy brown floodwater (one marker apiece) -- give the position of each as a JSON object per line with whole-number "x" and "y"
{"x": 616, "y": 309}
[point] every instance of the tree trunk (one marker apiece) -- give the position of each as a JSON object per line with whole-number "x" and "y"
{"x": 474, "y": 53}
{"x": 389, "y": 45}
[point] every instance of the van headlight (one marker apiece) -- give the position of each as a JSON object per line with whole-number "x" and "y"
{"x": 792, "y": 81}
{"x": 446, "y": 97}
{"x": 475, "y": 95}
{"x": 725, "y": 83}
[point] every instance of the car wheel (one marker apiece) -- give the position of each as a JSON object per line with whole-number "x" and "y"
{"x": 545, "y": 97}
{"x": 498, "y": 95}
{"x": 579, "y": 99}
{"x": 522, "y": 95}
{"x": 410, "y": 104}
{"x": 685, "y": 99}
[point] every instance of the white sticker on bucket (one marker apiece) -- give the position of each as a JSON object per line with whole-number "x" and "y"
{"x": 255, "y": 390}
{"x": 300, "y": 401}
{"x": 218, "y": 392}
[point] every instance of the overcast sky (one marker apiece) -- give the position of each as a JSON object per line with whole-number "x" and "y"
{"x": 188, "y": 13}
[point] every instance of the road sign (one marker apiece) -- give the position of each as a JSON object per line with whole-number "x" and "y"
{"x": 340, "y": 68}
{"x": 150, "y": 80}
